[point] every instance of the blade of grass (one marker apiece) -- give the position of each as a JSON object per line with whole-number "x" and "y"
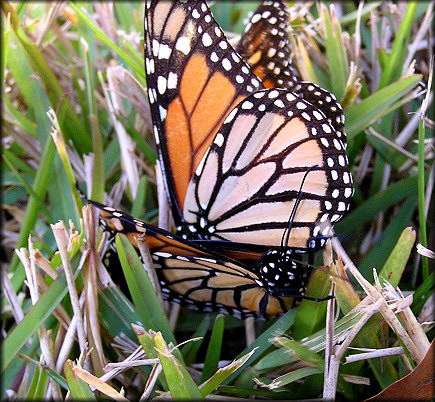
{"x": 367, "y": 9}
{"x": 146, "y": 339}
{"x": 37, "y": 387}
{"x": 311, "y": 315}
{"x": 141, "y": 289}
{"x": 395, "y": 265}
{"x": 116, "y": 313}
{"x": 138, "y": 69}
{"x": 262, "y": 342}
{"x": 316, "y": 342}
{"x": 423, "y": 292}
{"x": 355, "y": 221}
{"x": 301, "y": 352}
{"x": 78, "y": 388}
{"x": 421, "y": 177}
{"x": 372, "y": 108}
{"x": 40, "y": 186}
{"x": 180, "y": 383}
{"x": 212, "y": 357}
{"x": 393, "y": 69}
{"x": 18, "y": 119}
{"x": 5, "y": 30}
{"x": 139, "y": 200}
{"x": 190, "y": 350}
{"x": 33, "y": 319}
{"x": 70, "y": 124}
{"x": 378, "y": 254}
{"x": 337, "y": 60}
{"x": 222, "y": 374}
{"x": 29, "y": 189}
{"x": 293, "y": 376}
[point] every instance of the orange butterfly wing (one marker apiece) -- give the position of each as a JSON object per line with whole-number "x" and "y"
{"x": 194, "y": 78}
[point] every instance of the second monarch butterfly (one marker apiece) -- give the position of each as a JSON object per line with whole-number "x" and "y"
{"x": 233, "y": 153}
{"x": 265, "y": 47}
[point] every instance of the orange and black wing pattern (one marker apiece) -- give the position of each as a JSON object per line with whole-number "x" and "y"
{"x": 199, "y": 278}
{"x": 266, "y": 48}
{"x": 249, "y": 181}
{"x": 233, "y": 153}
{"x": 194, "y": 78}
{"x": 265, "y": 45}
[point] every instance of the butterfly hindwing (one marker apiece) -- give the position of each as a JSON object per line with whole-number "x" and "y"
{"x": 245, "y": 193}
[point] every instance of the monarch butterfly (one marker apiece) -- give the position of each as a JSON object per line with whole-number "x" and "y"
{"x": 265, "y": 47}
{"x": 229, "y": 147}
{"x": 204, "y": 280}
{"x": 233, "y": 153}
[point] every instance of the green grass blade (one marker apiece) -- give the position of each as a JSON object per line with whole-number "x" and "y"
{"x": 212, "y": 357}
{"x": 393, "y": 69}
{"x": 423, "y": 292}
{"x": 68, "y": 120}
{"x": 337, "y": 60}
{"x": 300, "y": 352}
{"x": 40, "y": 186}
{"x": 147, "y": 340}
{"x": 375, "y": 106}
{"x": 222, "y": 374}
{"x": 141, "y": 290}
{"x": 378, "y": 254}
{"x": 180, "y": 383}
{"x": 262, "y": 342}
{"x": 33, "y": 320}
{"x": 137, "y": 68}
{"x": 139, "y": 200}
{"x": 353, "y": 223}
{"x": 293, "y": 376}
{"x": 395, "y": 265}
{"x": 311, "y": 315}
{"x": 78, "y": 388}
{"x": 190, "y": 350}
{"x": 5, "y": 30}
{"x": 116, "y": 313}
{"x": 421, "y": 195}
{"x": 37, "y": 387}
{"x": 29, "y": 189}
{"x": 365, "y": 13}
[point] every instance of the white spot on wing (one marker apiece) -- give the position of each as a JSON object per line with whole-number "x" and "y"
{"x": 161, "y": 84}
{"x": 183, "y": 45}
{"x": 206, "y": 40}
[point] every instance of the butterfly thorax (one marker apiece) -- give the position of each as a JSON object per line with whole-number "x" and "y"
{"x": 282, "y": 272}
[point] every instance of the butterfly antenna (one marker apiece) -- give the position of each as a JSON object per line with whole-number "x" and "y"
{"x": 286, "y": 235}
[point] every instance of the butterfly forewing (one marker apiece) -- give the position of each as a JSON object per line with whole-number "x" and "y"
{"x": 245, "y": 192}
{"x": 194, "y": 80}
{"x": 265, "y": 45}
